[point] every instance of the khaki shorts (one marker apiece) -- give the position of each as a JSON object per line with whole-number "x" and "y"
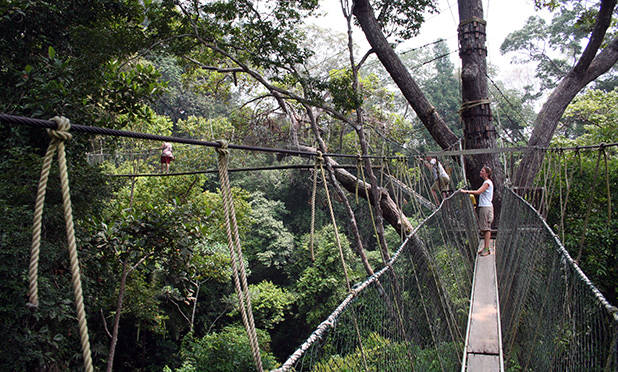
{"x": 486, "y": 217}
{"x": 441, "y": 184}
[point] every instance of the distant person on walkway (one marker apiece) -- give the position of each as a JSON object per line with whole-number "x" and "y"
{"x": 440, "y": 177}
{"x": 166, "y": 157}
{"x": 485, "y": 207}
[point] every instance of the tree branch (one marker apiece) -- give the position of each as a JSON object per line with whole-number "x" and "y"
{"x": 604, "y": 19}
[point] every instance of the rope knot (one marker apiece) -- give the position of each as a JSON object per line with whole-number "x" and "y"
{"x": 223, "y": 149}
{"x": 62, "y": 132}
{"x": 319, "y": 159}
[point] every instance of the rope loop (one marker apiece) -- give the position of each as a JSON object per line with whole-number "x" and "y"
{"x": 62, "y": 132}
{"x": 56, "y": 145}
{"x": 319, "y": 158}
{"x": 223, "y": 148}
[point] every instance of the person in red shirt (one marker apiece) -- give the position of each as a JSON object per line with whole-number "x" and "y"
{"x": 166, "y": 156}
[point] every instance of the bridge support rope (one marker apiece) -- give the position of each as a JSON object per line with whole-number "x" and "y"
{"x": 58, "y": 136}
{"x": 231, "y": 227}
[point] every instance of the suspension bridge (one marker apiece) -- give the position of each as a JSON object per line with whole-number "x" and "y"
{"x": 435, "y": 305}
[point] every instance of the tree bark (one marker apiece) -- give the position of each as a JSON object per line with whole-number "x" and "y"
{"x": 331, "y": 172}
{"x": 391, "y": 212}
{"x": 123, "y": 281}
{"x": 428, "y": 115}
{"x": 589, "y": 66}
{"x": 479, "y": 131}
{"x": 112, "y": 346}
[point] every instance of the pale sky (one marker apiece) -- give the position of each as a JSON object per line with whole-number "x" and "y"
{"x": 502, "y": 16}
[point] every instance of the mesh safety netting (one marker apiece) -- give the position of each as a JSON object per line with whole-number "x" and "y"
{"x": 553, "y": 318}
{"x": 412, "y": 314}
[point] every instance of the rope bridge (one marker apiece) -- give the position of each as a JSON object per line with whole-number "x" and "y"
{"x": 553, "y": 318}
{"x": 412, "y": 314}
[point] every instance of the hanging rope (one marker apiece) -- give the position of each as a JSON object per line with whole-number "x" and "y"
{"x": 319, "y": 161}
{"x": 609, "y": 196}
{"x": 313, "y": 192}
{"x": 385, "y": 257}
{"x": 231, "y": 227}
{"x": 58, "y": 136}
{"x": 587, "y": 216}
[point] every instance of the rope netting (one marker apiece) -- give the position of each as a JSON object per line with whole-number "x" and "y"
{"x": 412, "y": 314}
{"x": 552, "y": 317}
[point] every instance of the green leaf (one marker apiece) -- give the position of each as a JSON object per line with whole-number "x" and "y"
{"x": 51, "y": 52}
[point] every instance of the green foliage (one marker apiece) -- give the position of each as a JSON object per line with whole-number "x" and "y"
{"x": 269, "y": 40}
{"x": 443, "y": 88}
{"x": 592, "y": 118}
{"x": 340, "y": 87}
{"x": 405, "y": 17}
{"x": 321, "y": 285}
{"x": 269, "y": 302}
{"x": 192, "y": 91}
{"x": 570, "y": 26}
{"x": 59, "y": 62}
{"x": 48, "y": 337}
{"x": 225, "y": 351}
{"x": 377, "y": 349}
{"x": 598, "y": 253}
{"x": 129, "y": 88}
{"x": 268, "y": 244}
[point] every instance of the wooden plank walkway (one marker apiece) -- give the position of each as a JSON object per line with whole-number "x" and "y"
{"x": 483, "y": 350}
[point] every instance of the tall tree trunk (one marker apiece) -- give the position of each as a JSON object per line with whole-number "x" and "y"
{"x": 479, "y": 131}
{"x": 112, "y": 346}
{"x": 126, "y": 270}
{"x": 428, "y": 115}
{"x": 589, "y": 66}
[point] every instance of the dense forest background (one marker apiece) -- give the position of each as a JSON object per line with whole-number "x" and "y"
{"x": 153, "y": 250}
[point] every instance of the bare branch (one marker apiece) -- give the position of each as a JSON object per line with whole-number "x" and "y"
{"x": 105, "y": 324}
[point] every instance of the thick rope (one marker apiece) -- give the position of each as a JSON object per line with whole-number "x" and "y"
{"x": 319, "y": 161}
{"x": 313, "y": 192}
{"x": 231, "y": 227}
{"x": 384, "y": 254}
{"x": 587, "y": 216}
{"x": 58, "y": 136}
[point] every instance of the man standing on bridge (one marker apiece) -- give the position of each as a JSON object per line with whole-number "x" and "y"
{"x": 440, "y": 177}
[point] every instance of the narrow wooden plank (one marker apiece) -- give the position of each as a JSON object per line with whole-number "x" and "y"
{"x": 483, "y": 363}
{"x": 483, "y": 335}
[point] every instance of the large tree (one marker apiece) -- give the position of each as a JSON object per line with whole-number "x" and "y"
{"x": 597, "y": 58}
{"x": 240, "y": 42}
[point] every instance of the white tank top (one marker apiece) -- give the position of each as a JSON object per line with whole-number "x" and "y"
{"x": 486, "y": 196}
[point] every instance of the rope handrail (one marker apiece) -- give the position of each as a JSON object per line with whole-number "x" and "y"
{"x": 274, "y": 167}
{"x": 56, "y": 145}
{"x": 330, "y": 321}
{"x": 562, "y": 250}
{"x": 236, "y": 255}
{"x": 40, "y": 123}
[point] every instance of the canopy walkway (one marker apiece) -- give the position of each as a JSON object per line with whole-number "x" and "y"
{"x": 531, "y": 305}
{"x": 483, "y": 348}
{"x": 437, "y": 306}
